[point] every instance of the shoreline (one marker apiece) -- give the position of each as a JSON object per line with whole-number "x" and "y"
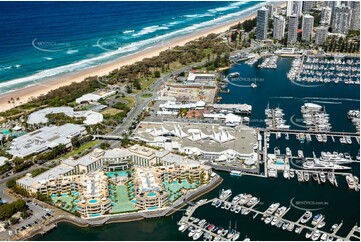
{"x": 27, "y": 93}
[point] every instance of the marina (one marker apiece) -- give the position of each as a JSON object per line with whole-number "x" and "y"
{"x": 273, "y": 215}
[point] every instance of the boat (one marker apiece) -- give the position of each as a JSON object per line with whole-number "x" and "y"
{"x": 285, "y": 174}
{"x": 330, "y": 177}
{"x": 274, "y": 221}
{"x": 315, "y": 176}
{"x": 183, "y": 227}
{"x": 236, "y": 173}
{"x": 334, "y": 227}
{"x": 252, "y": 201}
{"x": 196, "y": 220}
{"x": 238, "y": 209}
{"x": 198, "y": 234}
{"x": 253, "y": 85}
{"x": 350, "y": 181}
{"x": 306, "y": 217}
{"x": 317, "y": 164}
{"x": 287, "y": 136}
{"x": 191, "y": 233}
{"x": 300, "y": 153}
{"x": 280, "y": 211}
{"x": 225, "y": 194}
{"x": 308, "y": 234}
{"x": 319, "y": 138}
{"x": 317, "y": 219}
{"x": 291, "y": 227}
{"x": 299, "y": 176}
{"x": 308, "y": 137}
{"x": 324, "y": 237}
{"x": 298, "y": 230}
{"x": 217, "y": 238}
{"x": 272, "y": 208}
{"x": 322, "y": 177}
{"x": 220, "y": 231}
{"x": 292, "y": 173}
{"x": 316, "y": 235}
{"x": 285, "y": 225}
{"x": 233, "y": 74}
{"x": 288, "y": 151}
{"x": 348, "y": 140}
{"x": 321, "y": 224}
{"x": 268, "y": 220}
{"x": 343, "y": 140}
{"x": 235, "y": 236}
{"x": 306, "y": 176}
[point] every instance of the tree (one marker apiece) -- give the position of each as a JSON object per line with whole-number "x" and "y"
{"x": 156, "y": 74}
{"x": 128, "y": 89}
{"x": 137, "y": 85}
{"x": 11, "y": 183}
{"x": 104, "y": 146}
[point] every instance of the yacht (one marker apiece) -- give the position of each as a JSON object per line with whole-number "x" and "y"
{"x": 306, "y": 176}
{"x": 235, "y": 236}
{"x": 198, "y": 234}
{"x": 287, "y": 136}
{"x": 331, "y": 177}
{"x": 336, "y": 158}
{"x": 308, "y": 234}
{"x": 268, "y": 220}
{"x": 238, "y": 209}
{"x": 321, "y": 224}
{"x": 225, "y": 194}
{"x": 343, "y": 140}
{"x": 322, "y": 177}
{"x": 253, "y": 201}
{"x": 298, "y": 230}
{"x": 280, "y": 211}
{"x": 233, "y": 74}
{"x": 315, "y": 176}
{"x": 286, "y": 174}
{"x": 319, "y": 138}
{"x": 285, "y": 225}
{"x": 317, "y": 219}
{"x": 317, "y": 164}
{"x": 292, "y": 173}
{"x": 306, "y": 217}
{"x": 236, "y": 173}
{"x": 324, "y": 138}
{"x": 272, "y": 208}
{"x": 308, "y": 137}
{"x": 288, "y": 151}
{"x": 191, "y": 233}
{"x": 253, "y": 85}
{"x": 324, "y": 237}
{"x": 316, "y": 235}
{"x": 290, "y": 227}
{"x": 274, "y": 220}
{"x": 348, "y": 140}
{"x": 299, "y": 176}
{"x": 350, "y": 181}
{"x": 300, "y": 153}
{"x": 334, "y": 227}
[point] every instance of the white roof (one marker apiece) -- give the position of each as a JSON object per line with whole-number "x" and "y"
{"x": 192, "y": 76}
{"x": 39, "y": 116}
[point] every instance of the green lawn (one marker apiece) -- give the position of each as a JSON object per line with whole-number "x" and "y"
{"x": 81, "y": 148}
{"x": 121, "y": 201}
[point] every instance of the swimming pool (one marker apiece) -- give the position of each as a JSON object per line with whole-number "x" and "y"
{"x": 113, "y": 174}
{"x": 152, "y": 194}
{"x": 93, "y": 201}
{"x": 280, "y": 162}
{"x": 94, "y": 215}
{"x": 153, "y": 208}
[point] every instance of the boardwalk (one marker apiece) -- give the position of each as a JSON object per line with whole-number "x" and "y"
{"x": 296, "y": 131}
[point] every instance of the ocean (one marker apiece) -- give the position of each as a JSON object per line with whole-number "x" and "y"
{"x": 336, "y": 203}
{"x": 40, "y": 40}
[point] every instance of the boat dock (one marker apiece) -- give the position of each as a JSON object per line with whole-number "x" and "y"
{"x": 188, "y": 214}
{"x": 297, "y": 224}
{"x": 328, "y": 133}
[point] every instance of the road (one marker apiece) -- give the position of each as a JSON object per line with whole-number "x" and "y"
{"x": 142, "y": 102}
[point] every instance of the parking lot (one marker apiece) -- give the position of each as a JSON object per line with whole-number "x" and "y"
{"x": 39, "y": 214}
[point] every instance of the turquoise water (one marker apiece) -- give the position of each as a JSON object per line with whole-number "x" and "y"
{"x": 152, "y": 194}
{"x": 58, "y": 38}
{"x": 153, "y": 208}
{"x": 119, "y": 173}
{"x": 93, "y": 201}
{"x": 338, "y": 203}
{"x": 94, "y": 215}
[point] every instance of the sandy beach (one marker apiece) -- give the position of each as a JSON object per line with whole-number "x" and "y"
{"x": 41, "y": 88}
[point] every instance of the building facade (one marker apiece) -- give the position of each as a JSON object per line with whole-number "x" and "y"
{"x": 326, "y": 14}
{"x": 342, "y": 19}
{"x": 321, "y": 35}
{"x": 355, "y": 19}
{"x": 292, "y": 29}
{"x": 279, "y": 26}
{"x": 307, "y": 27}
{"x": 262, "y": 24}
